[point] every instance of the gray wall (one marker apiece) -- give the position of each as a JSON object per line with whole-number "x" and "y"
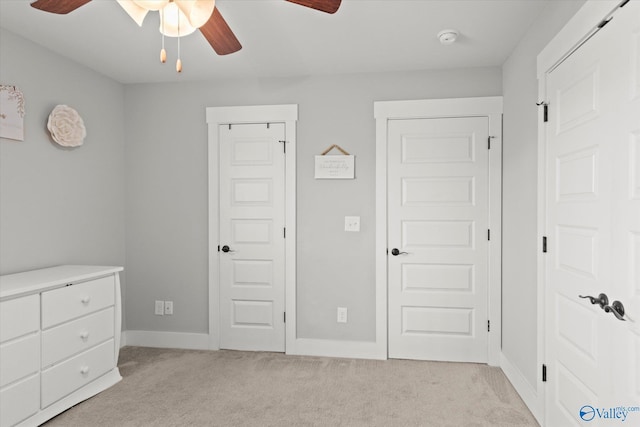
{"x": 520, "y": 190}
{"x": 61, "y": 206}
{"x": 166, "y": 195}
{"x": 57, "y": 205}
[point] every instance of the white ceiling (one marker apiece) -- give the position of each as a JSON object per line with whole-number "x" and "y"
{"x": 283, "y": 39}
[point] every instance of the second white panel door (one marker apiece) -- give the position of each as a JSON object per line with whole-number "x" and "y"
{"x": 252, "y": 240}
{"x": 438, "y": 216}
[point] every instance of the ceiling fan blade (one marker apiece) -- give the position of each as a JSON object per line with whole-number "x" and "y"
{"x": 61, "y": 7}
{"x": 219, "y": 35}
{"x": 328, "y": 6}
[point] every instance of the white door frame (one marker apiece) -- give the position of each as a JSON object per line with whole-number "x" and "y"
{"x": 216, "y": 116}
{"x": 490, "y": 107}
{"x": 574, "y": 34}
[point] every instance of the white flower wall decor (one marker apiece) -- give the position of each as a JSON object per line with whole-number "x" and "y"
{"x": 11, "y": 113}
{"x": 66, "y": 126}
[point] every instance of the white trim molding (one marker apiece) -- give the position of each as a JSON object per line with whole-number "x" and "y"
{"x": 337, "y": 348}
{"x": 490, "y": 107}
{"x": 577, "y": 31}
{"x": 184, "y": 340}
{"x": 287, "y": 114}
{"x": 527, "y": 392}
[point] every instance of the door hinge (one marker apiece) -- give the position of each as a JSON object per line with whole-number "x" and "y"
{"x": 488, "y": 325}
{"x": 285, "y": 317}
{"x": 284, "y": 233}
{"x": 489, "y": 143}
{"x": 544, "y": 373}
{"x": 544, "y": 244}
{"x": 489, "y": 234}
{"x": 545, "y": 110}
{"x": 604, "y": 22}
{"x": 218, "y": 248}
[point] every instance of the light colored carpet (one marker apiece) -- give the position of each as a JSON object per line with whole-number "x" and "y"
{"x": 167, "y": 387}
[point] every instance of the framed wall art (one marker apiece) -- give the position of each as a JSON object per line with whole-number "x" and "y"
{"x": 11, "y": 113}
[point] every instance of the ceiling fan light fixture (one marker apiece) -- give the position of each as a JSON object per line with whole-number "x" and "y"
{"x": 197, "y": 12}
{"x": 152, "y": 4}
{"x": 448, "y": 37}
{"x": 174, "y": 23}
{"x": 136, "y": 12}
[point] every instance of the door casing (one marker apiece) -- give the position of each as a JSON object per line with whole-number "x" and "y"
{"x": 490, "y": 107}
{"x": 216, "y": 116}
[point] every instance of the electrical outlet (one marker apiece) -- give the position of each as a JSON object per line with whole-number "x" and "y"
{"x": 352, "y": 223}
{"x": 168, "y": 308}
{"x": 159, "y": 308}
{"x": 342, "y": 315}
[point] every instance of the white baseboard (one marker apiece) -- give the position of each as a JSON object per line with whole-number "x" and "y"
{"x": 334, "y": 348}
{"x": 526, "y": 391}
{"x": 183, "y": 340}
{"x": 301, "y": 347}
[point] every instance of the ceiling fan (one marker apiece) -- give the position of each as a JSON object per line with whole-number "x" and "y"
{"x": 211, "y": 23}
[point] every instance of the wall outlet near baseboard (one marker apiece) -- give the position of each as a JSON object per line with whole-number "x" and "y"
{"x": 159, "y": 308}
{"x": 352, "y": 223}
{"x": 342, "y": 315}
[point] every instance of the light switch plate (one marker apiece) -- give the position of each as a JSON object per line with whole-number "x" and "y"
{"x": 342, "y": 315}
{"x": 352, "y": 223}
{"x": 159, "y": 308}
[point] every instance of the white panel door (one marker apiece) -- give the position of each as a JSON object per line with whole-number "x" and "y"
{"x": 593, "y": 226}
{"x": 438, "y": 216}
{"x": 252, "y": 241}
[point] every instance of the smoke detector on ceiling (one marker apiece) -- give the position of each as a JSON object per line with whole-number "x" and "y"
{"x": 448, "y": 36}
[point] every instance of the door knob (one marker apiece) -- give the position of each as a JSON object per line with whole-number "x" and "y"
{"x": 617, "y": 309}
{"x": 396, "y": 252}
{"x": 226, "y": 248}
{"x": 601, "y": 300}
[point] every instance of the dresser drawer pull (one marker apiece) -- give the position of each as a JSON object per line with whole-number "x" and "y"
{"x": 84, "y": 370}
{"x": 84, "y": 336}
{"x": 85, "y": 300}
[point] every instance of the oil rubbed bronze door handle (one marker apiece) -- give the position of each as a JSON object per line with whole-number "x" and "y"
{"x": 601, "y": 300}
{"x": 617, "y": 309}
{"x": 396, "y": 252}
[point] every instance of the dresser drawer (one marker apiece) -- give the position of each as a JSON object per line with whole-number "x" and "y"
{"x": 19, "y": 317}
{"x": 60, "y": 380}
{"x": 70, "y": 302}
{"x": 19, "y": 401}
{"x": 78, "y": 335}
{"x": 19, "y": 358}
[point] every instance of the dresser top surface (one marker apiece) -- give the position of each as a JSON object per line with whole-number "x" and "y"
{"x": 29, "y": 282}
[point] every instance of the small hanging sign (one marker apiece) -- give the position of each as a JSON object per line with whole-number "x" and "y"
{"x": 335, "y": 167}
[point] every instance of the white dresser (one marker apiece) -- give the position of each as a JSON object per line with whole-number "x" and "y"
{"x": 59, "y": 340}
